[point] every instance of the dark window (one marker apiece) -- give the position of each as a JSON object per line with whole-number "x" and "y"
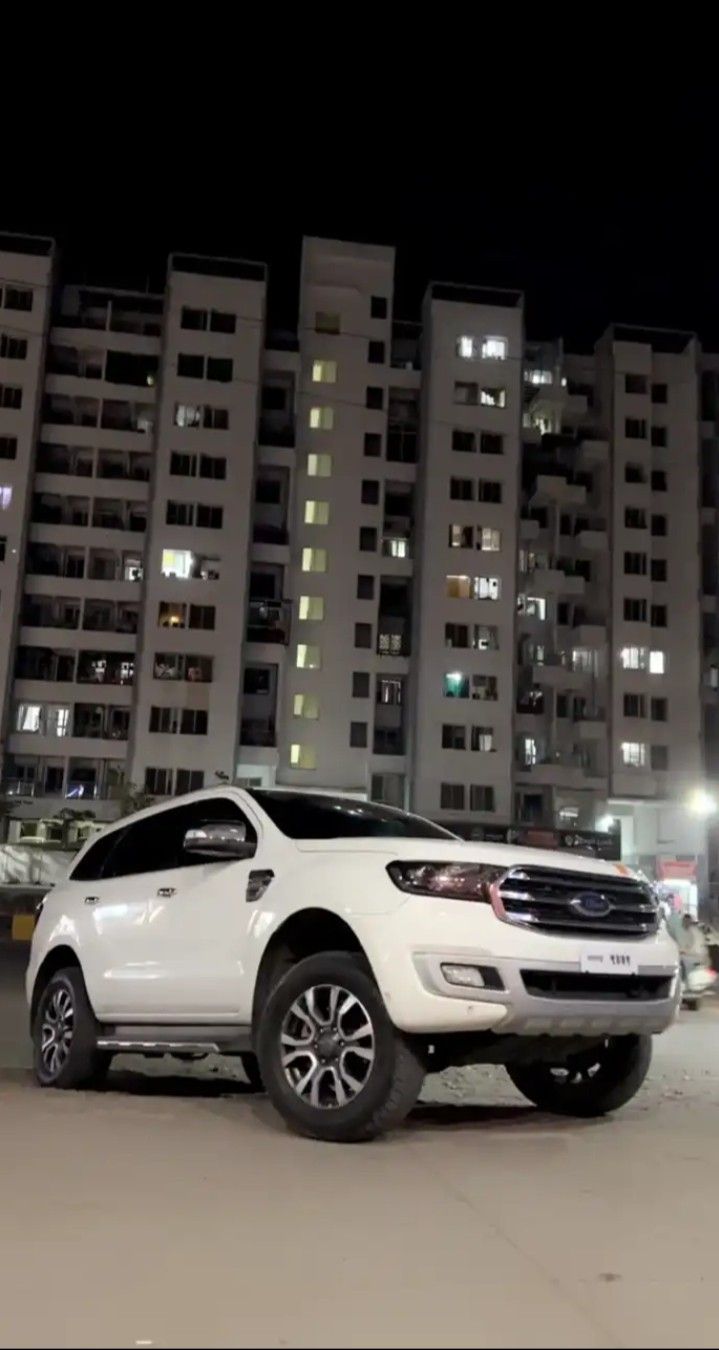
{"x": 659, "y": 710}
{"x": 633, "y": 473}
{"x": 302, "y": 815}
{"x": 213, "y": 466}
{"x": 635, "y": 564}
{"x": 635, "y": 611}
{"x": 208, "y": 517}
{"x": 635, "y": 384}
{"x": 219, "y": 368}
{"x": 491, "y": 443}
{"x": 155, "y": 844}
{"x": 13, "y": 348}
{"x": 489, "y": 490}
{"x": 222, "y": 322}
{"x": 158, "y": 782}
{"x": 193, "y": 318}
{"x": 375, "y": 353}
{"x": 202, "y": 616}
{"x": 90, "y": 866}
{"x": 10, "y": 396}
{"x": 193, "y": 722}
{"x": 368, "y": 539}
{"x": 365, "y": 587}
{"x": 565, "y": 524}
{"x": 659, "y": 616}
{"x": 659, "y": 525}
{"x": 453, "y": 736}
{"x": 373, "y": 444}
{"x": 182, "y": 466}
{"x": 659, "y": 393}
{"x": 464, "y": 440}
{"x": 563, "y": 614}
{"x": 659, "y": 435}
{"x": 456, "y": 635}
{"x": 635, "y": 518}
{"x": 659, "y": 569}
{"x": 659, "y": 480}
{"x": 189, "y": 780}
{"x": 8, "y": 447}
{"x": 374, "y": 397}
{"x": 360, "y": 684}
{"x": 179, "y": 513}
{"x": 451, "y": 796}
{"x": 461, "y": 489}
{"x": 191, "y": 366}
{"x": 634, "y": 705}
{"x": 18, "y": 298}
{"x": 363, "y": 635}
{"x": 378, "y": 307}
{"x": 358, "y": 735}
{"x": 256, "y": 680}
{"x": 370, "y": 491}
{"x": 481, "y": 798}
{"x": 635, "y": 428}
{"x": 659, "y": 756}
{"x": 268, "y": 491}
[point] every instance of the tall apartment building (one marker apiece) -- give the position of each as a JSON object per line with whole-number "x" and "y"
{"x": 435, "y": 564}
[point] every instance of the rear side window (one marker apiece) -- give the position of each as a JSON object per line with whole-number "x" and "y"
{"x": 155, "y": 844}
{"x": 90, "y": 866}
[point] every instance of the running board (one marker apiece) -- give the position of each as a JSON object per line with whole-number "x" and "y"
{"x": 174, "y": 1040}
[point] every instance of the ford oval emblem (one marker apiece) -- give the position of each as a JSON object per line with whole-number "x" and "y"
{"x": 591, "y": 904}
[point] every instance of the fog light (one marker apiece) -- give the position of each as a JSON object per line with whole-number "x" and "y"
{"x": 466, "y": 975}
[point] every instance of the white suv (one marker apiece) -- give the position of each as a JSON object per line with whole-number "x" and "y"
{"x": 343, "y": 950}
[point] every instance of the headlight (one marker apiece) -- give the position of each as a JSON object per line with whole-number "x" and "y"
{"x": 449, "y": 880}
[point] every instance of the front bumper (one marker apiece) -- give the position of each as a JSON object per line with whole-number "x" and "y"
{"x": 414, "y": 943}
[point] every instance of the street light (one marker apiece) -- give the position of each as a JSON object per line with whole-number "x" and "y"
{"x": 701, "y": 803}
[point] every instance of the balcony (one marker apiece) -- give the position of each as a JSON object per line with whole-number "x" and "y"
{"x": 268, "y": 621}
{"x": 402, "y": 444}
{"x": 393, "y": 643}
{"x": 96, "y": 668}
{"x": 47, "y": 615}
{"x": 258, "y": 731}
{"x": 265, "y": 533}
{"x": 276, "y": 432}
{"x": 388, "y": 741}
{"x": 396, "y": 546}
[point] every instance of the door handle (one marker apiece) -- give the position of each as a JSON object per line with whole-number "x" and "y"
{"x": 91, "y": 899}
{"x": 166, "y": 891}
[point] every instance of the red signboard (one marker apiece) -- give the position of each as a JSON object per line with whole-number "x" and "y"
{"x": 677, "y": 869}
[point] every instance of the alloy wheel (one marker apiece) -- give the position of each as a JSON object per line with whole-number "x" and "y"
{"x": 327, "y": 1046}
{"x": 56, "y": 1031}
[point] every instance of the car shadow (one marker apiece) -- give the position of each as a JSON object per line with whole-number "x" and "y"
{"x": 474, "y": 1115}
{"x": 135, "y": 1083}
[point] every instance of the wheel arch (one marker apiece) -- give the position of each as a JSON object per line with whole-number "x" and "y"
{"x": 304, "y": 933}
{"x": 58, "y": 958}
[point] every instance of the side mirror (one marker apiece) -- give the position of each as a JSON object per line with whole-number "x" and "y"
{"x": 219, "y": 840}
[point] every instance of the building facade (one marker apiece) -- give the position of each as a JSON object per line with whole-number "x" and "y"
{"x": 436, "y": 564}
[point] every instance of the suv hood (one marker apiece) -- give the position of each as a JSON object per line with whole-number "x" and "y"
{"x": 457, "y": 850}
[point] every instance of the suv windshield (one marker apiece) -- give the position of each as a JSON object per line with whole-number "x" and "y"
{"x": 302, "y": 816}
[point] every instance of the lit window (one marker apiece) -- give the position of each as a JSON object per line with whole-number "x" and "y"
{"x": 482, "y": 739}
{"x": 528, "y": 751}
{"x": 459, "y": 588}
{"x": 494, "y": 348}
{"x": 493, "y": 398}
{"x": 634, "y": 753}
{"x": 456, "y": 685}
{"x": 534, "y": 376}
{"x": 634, "y": 658}
{"x": 467, "y": 348}
{"x": 306, "y": 705}
{"x": 461, "y": 536}
{"x": 177, "y": 562}
{"x": 308, "y": 657}
{"x": 490, "y": 541}
{"x": 322, "y": 419}
{"x": 188, "y": 414}
{"x": 324, "y": 372}
{"x": 29, "y": 717}
{"x": 314, "y": 560}
{"x": 533, "y": 606}
{"x": 303, "y": 756}
{"x": 583, "y": 658}
{"x": 657, "y": 663}
{"x": 395, "y": 546}
{"x": 317, "y": 513}
{"x": 57, "y": 721}
{"x": 319, "y": 466}
{"x": 5, "y": 497}
{"x": 486, "y": 588}
{"x": 312, "y": 607}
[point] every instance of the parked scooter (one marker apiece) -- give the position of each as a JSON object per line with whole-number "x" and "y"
{"x": 697, "y": 975}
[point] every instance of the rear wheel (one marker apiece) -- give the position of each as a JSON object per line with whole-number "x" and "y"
{"x": 332, "y": 1062}
{"x": 65, "y": 1050}
{"x": 599, "y": 1079}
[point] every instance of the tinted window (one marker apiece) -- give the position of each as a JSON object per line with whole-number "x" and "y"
{"x": 303, "y": 816}
{"x": 89, "y": 866}
{"x": 155, "y": 843}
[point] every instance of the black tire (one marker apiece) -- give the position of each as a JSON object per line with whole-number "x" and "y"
{"x": 79, "y": 1063}
{"x": 395, "y": 1073}
{"x": 692, "y": 1004}
{"x": 251, "y": 1070}
{"x": 590, "y": 1084}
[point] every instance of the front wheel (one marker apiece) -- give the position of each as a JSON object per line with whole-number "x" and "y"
{"x": 599, "y": 1079}
{"x": 333, "y": 1064}
{"x": 65, "y": 1050}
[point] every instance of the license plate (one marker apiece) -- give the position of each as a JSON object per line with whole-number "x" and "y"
{"x": 608, "y": 961}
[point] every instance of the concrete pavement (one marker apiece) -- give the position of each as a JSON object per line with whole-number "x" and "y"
{"x": 175, "y": 1210}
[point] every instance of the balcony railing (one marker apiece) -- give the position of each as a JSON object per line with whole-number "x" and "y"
{"x": 258, "y": 731}
{"x": 264, "y": 533}
{"x": 268, "y": 621}
{"x": 280, "y": 434}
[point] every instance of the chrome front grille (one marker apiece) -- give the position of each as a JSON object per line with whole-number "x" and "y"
{"x": 577, "y": 903}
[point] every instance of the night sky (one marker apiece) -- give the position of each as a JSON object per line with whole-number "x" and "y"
{"x": 600, "y": 204}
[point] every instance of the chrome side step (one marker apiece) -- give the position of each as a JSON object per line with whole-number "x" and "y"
{"x": 139, "y": 1047}
{"x": 173, "y": 1039}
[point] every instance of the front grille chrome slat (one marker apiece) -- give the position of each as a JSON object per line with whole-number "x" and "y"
{"x": 577, "y": 903}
